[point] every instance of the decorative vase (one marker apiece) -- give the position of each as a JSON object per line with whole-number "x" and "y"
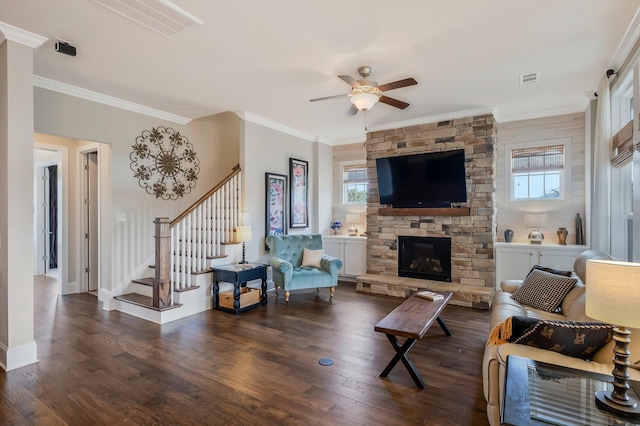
{"x": 562, "y": 236}
{"x": 579, "y": 233}
{"x": 336, "y": 225}
{"x": 508, "y": 235}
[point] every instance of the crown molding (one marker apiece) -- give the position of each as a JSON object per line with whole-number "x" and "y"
{"x": 89, "y": 95}
{"x": 254, "y": 118}
{"x": 431, "y": 119}
{"x": 9, "y": 32}
{"x": 626, "y": 45}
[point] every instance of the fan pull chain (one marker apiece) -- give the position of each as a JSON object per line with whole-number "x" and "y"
{"x": 365, "y": 126}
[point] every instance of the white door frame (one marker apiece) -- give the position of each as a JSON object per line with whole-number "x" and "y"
{"x": 105, "y": 227}
{"x": 64, "y": 286}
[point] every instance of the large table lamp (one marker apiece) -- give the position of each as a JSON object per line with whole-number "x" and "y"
{"x": 612, "y": 296}
{"x": 243, "y": 234}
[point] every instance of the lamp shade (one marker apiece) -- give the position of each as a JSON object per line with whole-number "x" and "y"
{"x": 364, "y": 101}
{"x": 613, "y": 292}
{"x": 243, "y": 234}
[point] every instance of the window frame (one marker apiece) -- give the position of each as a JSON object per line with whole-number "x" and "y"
{"x": 565, "y": 174}
{"x": 343, "y": 165}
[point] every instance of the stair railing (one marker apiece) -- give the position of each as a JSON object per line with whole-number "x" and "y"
{"x": 199, "y": 233}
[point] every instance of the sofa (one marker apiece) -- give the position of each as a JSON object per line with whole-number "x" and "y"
{"x": 298, "y": 262}
{"x": 572, "y": 308}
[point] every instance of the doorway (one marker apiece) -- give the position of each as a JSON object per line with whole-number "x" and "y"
{"x": 47, "y": 212}
{"x": 90, "y": 220}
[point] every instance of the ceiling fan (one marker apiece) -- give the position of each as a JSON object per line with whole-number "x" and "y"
{"x": 365, "y": 93}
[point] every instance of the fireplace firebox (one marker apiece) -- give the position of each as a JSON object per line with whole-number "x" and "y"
{"x": 424, "y": 257}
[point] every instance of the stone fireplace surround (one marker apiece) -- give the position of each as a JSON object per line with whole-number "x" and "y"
{"x": 472, "y": 236}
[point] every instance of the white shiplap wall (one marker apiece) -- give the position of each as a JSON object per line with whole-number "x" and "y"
{"x": 559, "y": 213}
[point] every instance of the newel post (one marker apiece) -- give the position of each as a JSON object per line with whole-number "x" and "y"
{"x": 162, "y": 282}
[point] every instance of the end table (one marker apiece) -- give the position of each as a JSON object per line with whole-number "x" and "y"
{"x": 239, "y": 274}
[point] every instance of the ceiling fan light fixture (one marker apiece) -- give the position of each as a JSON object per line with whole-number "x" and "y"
{"x": 364, "y": 101}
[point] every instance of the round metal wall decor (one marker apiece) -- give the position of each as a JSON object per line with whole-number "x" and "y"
{"x": 164, "y": 163}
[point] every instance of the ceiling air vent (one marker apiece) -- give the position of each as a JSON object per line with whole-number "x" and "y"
{"x": 160, "y": 16}
{"x": 530, "y": 78}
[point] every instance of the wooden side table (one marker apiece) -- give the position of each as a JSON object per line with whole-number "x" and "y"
{"x": 411, "y": 319}
{"x": 239, "y": 275}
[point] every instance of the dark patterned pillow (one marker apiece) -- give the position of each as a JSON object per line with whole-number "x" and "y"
{"x": 575, "y": 339}
{"x": 551, "y": 270}
{"x": 543, "y": 290}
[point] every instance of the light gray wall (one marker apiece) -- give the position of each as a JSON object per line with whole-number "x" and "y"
{"x": 128, "y": 245}
{"x": 268, "y": 150}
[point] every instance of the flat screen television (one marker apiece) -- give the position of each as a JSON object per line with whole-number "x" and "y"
{"x": 432, "y": 179}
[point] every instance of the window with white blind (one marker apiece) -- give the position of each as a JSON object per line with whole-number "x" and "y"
{"x": 537, "y": 170}
{"x": 354, "y": 183}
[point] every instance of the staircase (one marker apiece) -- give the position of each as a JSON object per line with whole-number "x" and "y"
{"x": 179, "y": 282}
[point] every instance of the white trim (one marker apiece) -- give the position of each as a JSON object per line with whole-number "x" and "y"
{"x": 9, "y": 32}
{"x": 628, "y": 41}
{"x": 18, "y": 356}
{"x": 341, "y": 166}
{"x": 565, "y": 177}
{"x": 63, "y": 209}
{"x": 254, "y": 118}
{"x": 89, "y": 95}
{"x": 432, "y": 119}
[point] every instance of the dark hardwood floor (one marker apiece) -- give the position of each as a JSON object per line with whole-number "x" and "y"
{"x": 261, "y": 367}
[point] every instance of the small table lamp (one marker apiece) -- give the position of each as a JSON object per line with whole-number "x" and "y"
{"x": 535, "y": 221}
{"x": 612, "y": 296}
{"x": 243, "y": 234}
{"x": 353, "y": 219}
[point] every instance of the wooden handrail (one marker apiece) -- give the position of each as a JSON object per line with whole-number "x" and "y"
{"x": 191, "y": 208}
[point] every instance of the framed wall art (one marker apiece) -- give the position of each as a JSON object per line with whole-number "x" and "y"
{"x": 299, "y": 178}
{"x": 276, "y": 204}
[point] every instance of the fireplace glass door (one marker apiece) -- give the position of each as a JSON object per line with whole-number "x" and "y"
{"x": 424, "y": 257}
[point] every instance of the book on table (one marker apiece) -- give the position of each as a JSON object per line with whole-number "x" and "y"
{"x": 430, "y": 295}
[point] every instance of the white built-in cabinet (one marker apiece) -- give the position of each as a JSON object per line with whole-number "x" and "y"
{"x": 515, "y": 260}
{"x": 351, "y": 250}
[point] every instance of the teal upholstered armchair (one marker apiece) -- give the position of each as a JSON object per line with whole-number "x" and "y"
{"x": 286, "y": 256}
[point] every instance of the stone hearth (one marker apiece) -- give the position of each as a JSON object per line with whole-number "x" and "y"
{"x": 472, "y": 236}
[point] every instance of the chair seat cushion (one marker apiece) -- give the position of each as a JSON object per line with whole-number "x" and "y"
{"x": 309, "y": 277}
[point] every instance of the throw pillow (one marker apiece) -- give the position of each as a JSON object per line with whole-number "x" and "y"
{"x": 312, "y": 258}
{"x": 543, "y": 290}
{"x": 510, "y": 329}
{"x": 575, "y": 339}
{"x": 551, "y": 270}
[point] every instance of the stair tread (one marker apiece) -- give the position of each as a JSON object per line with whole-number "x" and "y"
{"x": 202, "y": 271}
{"x": 144, "y": 281}
{"x": 149, "y": 281}
{"x": 182, "y": 290}
{"x": 144, "y": 301}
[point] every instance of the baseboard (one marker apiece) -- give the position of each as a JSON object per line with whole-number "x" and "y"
{"x": 71, "y": 288}
{"x": 18, "y": 356}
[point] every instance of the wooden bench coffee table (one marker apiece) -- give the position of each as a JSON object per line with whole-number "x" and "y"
{"x": 411, "y": 319}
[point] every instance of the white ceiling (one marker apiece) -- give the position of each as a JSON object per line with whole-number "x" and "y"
{"x": 266, "y": 59}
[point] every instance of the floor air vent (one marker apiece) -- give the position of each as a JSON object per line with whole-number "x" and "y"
{"x": 160, "y": 16}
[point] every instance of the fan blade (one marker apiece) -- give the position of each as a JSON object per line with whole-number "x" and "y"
{"x": 398, "y": 84}
{"x": 350, "y": 80}
{"x": 353, "y": 110}
{"x": 393, "y": 102}
{"x": 328, "y": 97}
